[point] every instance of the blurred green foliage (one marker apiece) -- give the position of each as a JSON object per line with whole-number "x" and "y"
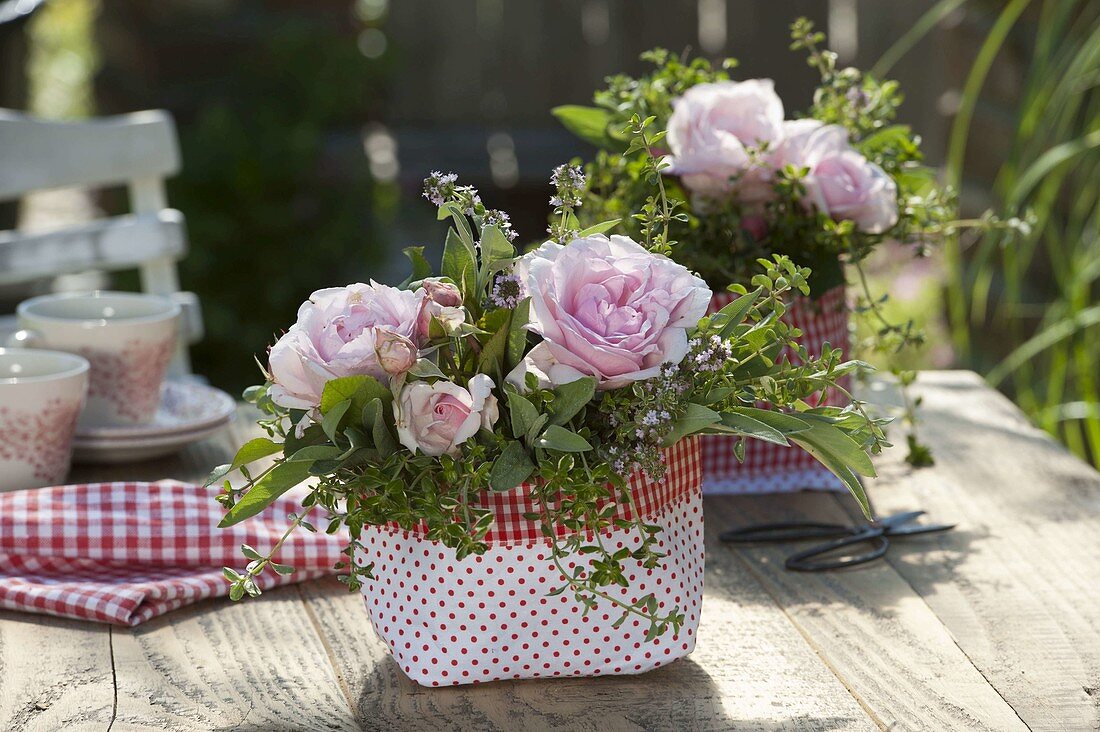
{"x": 275, "y": 189}
{"x": 1026, "y": 312}
{"x": 270, "y": 100}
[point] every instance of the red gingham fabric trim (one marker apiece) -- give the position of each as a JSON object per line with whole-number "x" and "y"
{"x": 510, "y": 527}
{"x": 123, "y": 553}
{"x": 768, "y": 467}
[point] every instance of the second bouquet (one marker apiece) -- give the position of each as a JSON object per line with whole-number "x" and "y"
{"x": 511, "y": 443}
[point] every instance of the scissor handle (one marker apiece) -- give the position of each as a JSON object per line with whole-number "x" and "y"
{"x": 803, "y": 561}
{"x": 787, "y": 531}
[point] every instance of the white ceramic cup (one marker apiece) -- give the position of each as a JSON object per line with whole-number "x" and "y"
{"x": 128, "y": 338}
{"x": 41, "y": 396}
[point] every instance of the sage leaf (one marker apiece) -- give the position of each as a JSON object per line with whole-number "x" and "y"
{"x": 249, "y": 452}
{"x": 359, "y": 389}
{"x": 588, "y": 123}
{"x": 558, "y": 438}
{"x": 521, "y": 413}
{"x": 696, "y": 418}
{"x": 571, "y": 398}
{"x": 517, "y": 333}
{"x": 512, "y": 467}
{"x": 264, "y": 491}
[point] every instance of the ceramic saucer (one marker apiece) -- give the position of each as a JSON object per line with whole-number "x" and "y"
{"x": 188, "y": 412}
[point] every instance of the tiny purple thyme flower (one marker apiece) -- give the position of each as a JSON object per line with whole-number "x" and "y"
{"x": 710, "y": 354}
{"x": 501, "y": 220}
{"x": 568, "y": 182}
{"x": 439, "y": 187}
{"x": 507, "y": 291}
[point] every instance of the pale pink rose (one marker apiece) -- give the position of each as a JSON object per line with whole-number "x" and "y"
{"x": 442, "y": 292}
{"x": 436, "y": 418}
{"x": 846, "y": 185}
{"x": 337, "y": 334}
{"x": 396, "y": 353}
{"x": 840, "y": 183}
{"x": 606, "y": 308}
{"x": 444, "y": 303}
{"x": 711, "y": 131}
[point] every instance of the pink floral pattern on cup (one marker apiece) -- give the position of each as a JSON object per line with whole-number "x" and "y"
{"x": 130, "y": 379}
{"x": 40, "y": 439}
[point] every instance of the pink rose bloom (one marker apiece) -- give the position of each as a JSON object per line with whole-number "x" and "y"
{"x": 711, "y": 130}
{"x": 606, "y": 308}
{"x": 841, "y": 183}
{"x": 344, "y": 331}
{"x": 444, "y": 303}
{"x": 436, "y": 418}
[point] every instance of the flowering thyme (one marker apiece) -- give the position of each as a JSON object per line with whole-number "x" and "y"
{"x": 501, "y": 220}
{"x": 439, "y": 188}
{"x": 640, "y": 418}
{"x": 507, "y": 291}
{"x": 709, "y": 353}
{"x": 569, "y": 183}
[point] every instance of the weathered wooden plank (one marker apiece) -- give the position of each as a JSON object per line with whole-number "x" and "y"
{"x": 40, "y": 153}
{"x": 870, "y": 626}
{"x": 751, "y": 670}
{"x": 1018, "y": 583}
{"x": 54, "y": 674}
{"x": 221, "y": 665}
{"x": 115, "y": 243}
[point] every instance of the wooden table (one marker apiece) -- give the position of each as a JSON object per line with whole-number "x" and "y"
{"x": 995, "y": 625}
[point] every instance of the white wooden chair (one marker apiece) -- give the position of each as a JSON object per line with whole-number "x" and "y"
{"x": 135, "y": 150}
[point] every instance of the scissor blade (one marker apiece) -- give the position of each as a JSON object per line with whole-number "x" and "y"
{"x": 926, "y": 529}
{"x": 898, "y": 519}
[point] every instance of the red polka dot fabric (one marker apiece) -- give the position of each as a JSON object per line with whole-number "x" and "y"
{"x": 490, "y": 617}
{"x": 770, "y": 468}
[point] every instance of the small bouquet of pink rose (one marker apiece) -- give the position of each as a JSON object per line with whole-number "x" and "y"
{"x": 744, "y": 179}
{"x": 510, "y": 443}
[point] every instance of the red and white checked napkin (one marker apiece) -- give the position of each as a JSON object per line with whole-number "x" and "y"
{"x": 123, "y": 553}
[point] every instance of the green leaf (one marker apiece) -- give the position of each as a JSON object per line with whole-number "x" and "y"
{"x": 600, "y": 228}
{"x": 836, "y": 442}
{"x": 536, "y": 427}
{"x": 495, "y": 245}
{"x": 562, "y": 440}
{"x": 746, "y": 425}
{"x": 517, "y": 333}
{"x": 521, "y": 413}
{"x": 420, "y": 266}
{"x": 512, "y": 467}
{"x": 588, "y": 123}
{"x": 313, "y": 453}
{"x": 737, "y": 310}
{"x": 837, "y": 467}
{"x": 459, "y": 264}
{"x": 787, "y": 424}
{"x": 359, "y": 389}
{"x": 491, "y": 359}
{"x": 374, "y": 418}
{"x": 695, "y": 419}
{"x": 249, "y": 452}
{"x": 571, "y": 398}
{"x": 425, "y": 368}
{"x": 282, "y": 478}
{"x": 331, "y": 423}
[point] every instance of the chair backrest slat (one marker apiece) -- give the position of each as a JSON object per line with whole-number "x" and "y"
{"x": 41, "y": 154}
{"x": 108, "y": 244}
{"x": 137, "y": 151}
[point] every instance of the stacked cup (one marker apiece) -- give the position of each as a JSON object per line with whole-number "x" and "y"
{"x": 97, "y": 359}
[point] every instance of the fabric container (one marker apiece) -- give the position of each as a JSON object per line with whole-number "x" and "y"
{"x": 770, "y": 468}
{"x": 490, "y": 617}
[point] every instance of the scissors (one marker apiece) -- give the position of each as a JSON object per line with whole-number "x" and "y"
{"x": 873, "y": 534}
